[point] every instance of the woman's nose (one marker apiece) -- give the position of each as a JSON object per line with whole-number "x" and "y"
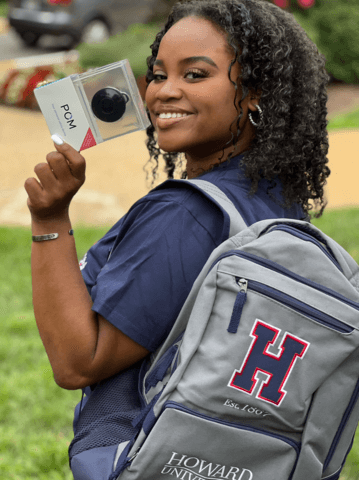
{"x": 169, "y": 89}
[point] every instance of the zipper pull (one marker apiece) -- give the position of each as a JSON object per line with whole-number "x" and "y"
{"x": 243, "y": 285}
{"x": 238, "y": 305}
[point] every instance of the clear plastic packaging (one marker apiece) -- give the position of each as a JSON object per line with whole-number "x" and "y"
{"x": 95, "y": 106}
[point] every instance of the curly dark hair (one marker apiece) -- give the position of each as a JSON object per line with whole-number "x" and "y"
{"x": 280, "y": 62}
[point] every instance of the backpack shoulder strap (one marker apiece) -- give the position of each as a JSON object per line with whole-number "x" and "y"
{"x": 237, "y": 224}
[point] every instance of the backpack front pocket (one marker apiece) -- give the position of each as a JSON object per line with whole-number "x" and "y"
{"x": 192, "y": 446}
{"x": 269, "y": 344}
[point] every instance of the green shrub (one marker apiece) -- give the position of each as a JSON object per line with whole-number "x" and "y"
{"x": 333, "y": 26}
{"x": 133, "y": 44}
{"x": 338, "y": 39}
{"x": 3, "y": 8}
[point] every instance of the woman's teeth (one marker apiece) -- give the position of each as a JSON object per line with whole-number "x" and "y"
{"x": 172, "y": 115}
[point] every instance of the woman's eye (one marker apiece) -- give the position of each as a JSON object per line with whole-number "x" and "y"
{"x": 156, "y": 76}
{"x": 190, "y": 74}
{"x": 196, "y": 74}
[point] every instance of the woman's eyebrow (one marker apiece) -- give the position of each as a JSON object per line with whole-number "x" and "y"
{"x": 188, "y": 60}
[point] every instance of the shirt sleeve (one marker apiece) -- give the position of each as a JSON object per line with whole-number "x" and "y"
{"x": 160, "y": 249}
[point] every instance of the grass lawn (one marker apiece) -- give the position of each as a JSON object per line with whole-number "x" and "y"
{"x": 345, "y": 122}
{"x": 36, "y": 415}
{"x": 36, "y": 425}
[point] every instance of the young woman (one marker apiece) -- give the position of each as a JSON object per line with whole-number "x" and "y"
{"x": 239, "y": 89}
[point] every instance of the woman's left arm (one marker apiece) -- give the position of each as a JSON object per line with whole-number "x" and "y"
{"x": 82, "y": 346}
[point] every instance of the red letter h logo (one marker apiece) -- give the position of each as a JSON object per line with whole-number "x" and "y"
{"x": 277, "y": 367}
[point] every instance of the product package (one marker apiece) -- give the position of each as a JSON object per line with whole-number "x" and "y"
{"x": 89, "y": 108}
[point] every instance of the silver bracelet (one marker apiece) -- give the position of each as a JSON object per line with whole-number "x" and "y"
{"x": 49, "y": 236}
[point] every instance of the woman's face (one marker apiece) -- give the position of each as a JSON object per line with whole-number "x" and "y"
{"x": 191, "y": 78}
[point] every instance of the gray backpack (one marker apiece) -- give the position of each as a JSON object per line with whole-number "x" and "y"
{"x": 258, "y": 379}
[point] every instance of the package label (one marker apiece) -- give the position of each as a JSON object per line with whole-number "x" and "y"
{"x": 64, "y": 114}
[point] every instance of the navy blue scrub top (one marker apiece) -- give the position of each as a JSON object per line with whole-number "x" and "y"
{"x": 140, "y": 273}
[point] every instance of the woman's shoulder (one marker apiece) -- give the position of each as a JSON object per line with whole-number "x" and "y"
{"x": 177, "y": 196}
{"x": 174, "y": 206}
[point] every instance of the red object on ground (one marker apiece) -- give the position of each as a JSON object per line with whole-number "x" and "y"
{"x": 59, "y": 2}
{"x": 306, "y": 3}
{"x": 18, "y": 80}
{"x": 281, "y": 3}
{"x": 25, "y": 97}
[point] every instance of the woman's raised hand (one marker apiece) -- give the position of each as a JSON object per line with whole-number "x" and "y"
{"x": 59, "y": 180}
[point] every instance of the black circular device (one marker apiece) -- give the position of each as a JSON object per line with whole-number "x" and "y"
{"x": 109, "y": 104}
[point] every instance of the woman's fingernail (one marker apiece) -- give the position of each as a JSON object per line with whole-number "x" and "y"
{"x": 57, "y": 139}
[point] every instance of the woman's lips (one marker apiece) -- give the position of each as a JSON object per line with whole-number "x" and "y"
{"x": 164, "y": 123}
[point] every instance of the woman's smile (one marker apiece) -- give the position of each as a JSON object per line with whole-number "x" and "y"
{"x": 163, "y": 123}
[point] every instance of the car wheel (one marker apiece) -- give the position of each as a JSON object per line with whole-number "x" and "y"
{"x": 30, "y": 39}
{"x": 97, "y": 31}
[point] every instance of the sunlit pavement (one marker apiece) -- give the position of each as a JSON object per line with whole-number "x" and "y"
{"x": 114, "y": 177}
{"x": 342, "y": 189}
{"x": 4, "y": 27}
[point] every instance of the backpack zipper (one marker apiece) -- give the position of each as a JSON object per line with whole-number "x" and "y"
{"x": 177, "y": 406}
{"x": 295, "y": 304}
{"x": 240, "y": 426}
{"x": 241, "y": 299}
{"x": 275, "y": 267}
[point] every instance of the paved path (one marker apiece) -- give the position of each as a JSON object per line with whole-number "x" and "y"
{"x": 115, "y": 178}
{"x": 4, "y": 27}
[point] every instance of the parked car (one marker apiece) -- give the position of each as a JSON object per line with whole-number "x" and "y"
{"x": 90, "y": 21}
